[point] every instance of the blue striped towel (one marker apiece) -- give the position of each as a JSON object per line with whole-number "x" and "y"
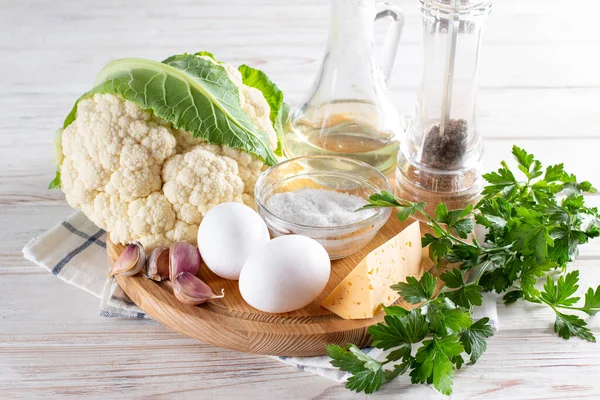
{"x": 75, "y": 251}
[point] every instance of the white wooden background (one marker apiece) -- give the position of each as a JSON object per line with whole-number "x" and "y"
{"x": 539, "y": 88}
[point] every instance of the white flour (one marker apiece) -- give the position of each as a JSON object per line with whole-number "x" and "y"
{"x": 318, "y": 207}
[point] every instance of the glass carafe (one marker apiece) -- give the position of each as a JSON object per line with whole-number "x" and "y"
{"x": 348, "y": 111}
{"x": 441, "y": 155}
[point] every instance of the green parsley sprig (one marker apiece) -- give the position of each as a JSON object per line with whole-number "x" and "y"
{"x": 534, "y": 228}
{"x": 441, "y": 326}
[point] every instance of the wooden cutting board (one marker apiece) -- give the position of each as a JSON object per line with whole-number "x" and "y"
{"x": 231, "y": 323}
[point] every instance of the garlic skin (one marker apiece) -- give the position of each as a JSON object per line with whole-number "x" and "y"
{"x": 158, "y": 264}
{"x": 131, "y": 261}
{"x": 189, "y": 289}
{"x": 183, "y": 257}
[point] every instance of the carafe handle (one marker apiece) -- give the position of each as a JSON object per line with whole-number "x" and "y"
{"x": 392, "y": 39}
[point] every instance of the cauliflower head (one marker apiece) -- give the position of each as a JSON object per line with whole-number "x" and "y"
{"x": 140, "y": 179}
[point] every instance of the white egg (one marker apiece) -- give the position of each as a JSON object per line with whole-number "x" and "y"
{"x": 227, "y": 235}
{"x": 286, "y": 274}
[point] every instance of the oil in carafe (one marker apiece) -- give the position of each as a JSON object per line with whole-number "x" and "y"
{"x": 348, "y": 111}
{"x": 344, "y": 128}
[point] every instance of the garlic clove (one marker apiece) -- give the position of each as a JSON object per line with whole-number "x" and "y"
{"x": 189, "y": 289}
{"x": 183, "y": 257}
{"x": 158, "y": 264}
{"x": 131, "y": 261}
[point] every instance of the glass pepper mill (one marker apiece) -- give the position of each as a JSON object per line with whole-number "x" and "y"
{"x": 348, "y": 111}
{"x": 440, "y": 159}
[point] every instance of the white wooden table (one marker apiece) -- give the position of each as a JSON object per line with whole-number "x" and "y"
{"x": 539, "y": 88}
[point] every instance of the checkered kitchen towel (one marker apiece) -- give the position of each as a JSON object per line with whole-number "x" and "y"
{"x": 75, "y": 251}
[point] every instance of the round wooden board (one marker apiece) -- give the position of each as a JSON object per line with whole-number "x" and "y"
{"x": 231, "y": 323}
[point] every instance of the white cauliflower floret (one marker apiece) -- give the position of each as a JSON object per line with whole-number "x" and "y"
{"x": 249, "y": 166}
{"x": 144, "y": 217}
{"x": 250, "y": 169}
{"x": 199, "y": 180}
{"x": 76, "y": 193}
{"x": 153, "y": 241}
{"x": 141, "y": 180}
{"x": 255, "y": 105}
{"x": 133, "y": 184}
{"x": 152, "y": 215}
{"x": 110, "y": 213}
{"x": 183, "y": 232}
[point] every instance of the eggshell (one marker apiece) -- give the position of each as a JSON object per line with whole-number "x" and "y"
{"x": 227, "y": 235}
{"x": 286, "y": 274}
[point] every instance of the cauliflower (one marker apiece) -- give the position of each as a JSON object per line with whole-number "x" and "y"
{"x": 140, "y": 179}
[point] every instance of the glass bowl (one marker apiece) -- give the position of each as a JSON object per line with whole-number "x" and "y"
{"x": 330, "y": 173}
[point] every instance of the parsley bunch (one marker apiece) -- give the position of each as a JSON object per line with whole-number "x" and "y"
{"x": 534, "y": 228}
{"x": 442, "y": 325}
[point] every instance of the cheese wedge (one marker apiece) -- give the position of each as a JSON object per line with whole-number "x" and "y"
{"x": 362, "y": 292}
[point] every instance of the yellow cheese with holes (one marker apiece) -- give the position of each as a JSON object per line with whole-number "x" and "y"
{"x": 362, "y": 292}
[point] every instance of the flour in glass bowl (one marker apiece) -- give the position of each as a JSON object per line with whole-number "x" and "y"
{"x": 318, "y": 207}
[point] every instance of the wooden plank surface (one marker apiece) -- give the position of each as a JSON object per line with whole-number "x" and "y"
{"x": 540, "y": 88}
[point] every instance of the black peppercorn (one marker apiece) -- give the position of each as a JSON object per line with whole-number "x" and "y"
{"x": 445, "y": 151}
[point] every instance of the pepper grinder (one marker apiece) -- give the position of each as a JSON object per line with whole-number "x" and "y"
{"x": 440, "y": 159}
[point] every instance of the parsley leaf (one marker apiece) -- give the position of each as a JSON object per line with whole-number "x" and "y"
{"x": 567, "y": 325}
{"x": 396, "y": 311}
{"x": 399, "y": 331}
{"x": 502, "y": 183}
{"x": 386, "y": 199}
{"x": 456, "y": 320}
{"x": 399, "y": 369}
{"x": 523, "y": 158}
{"x": 466, "y": 296}
{"x": 463, "y": 227}
{"x": 497, "y": 280}
{"x": 345, "y": 359}
{"x": 527, "y": 164}
{"x": 512, "y": 296}
{"x": 415, "y": 291}
{"x": 438, "y": 247}
{"x": 383, "y": 199}
{"x": 554, "y": 172}
{"x": 365, "y": 380}
{"x": 406, "y": 211}
{"x": 473, "y": 338}
{"x": 441, "y": 213}
{"x": 455, "y": 219}
{"x": 592, "y": 301}
{"x": 367, "y": 374}
{"x": 531, "y": 271}
{"x": 530, "y": 234}
{"x": 434, "y": 313}
{"x": 453, "y": 279}
{"x": 559, "y": 293}
{"x": 433, "y": 362}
